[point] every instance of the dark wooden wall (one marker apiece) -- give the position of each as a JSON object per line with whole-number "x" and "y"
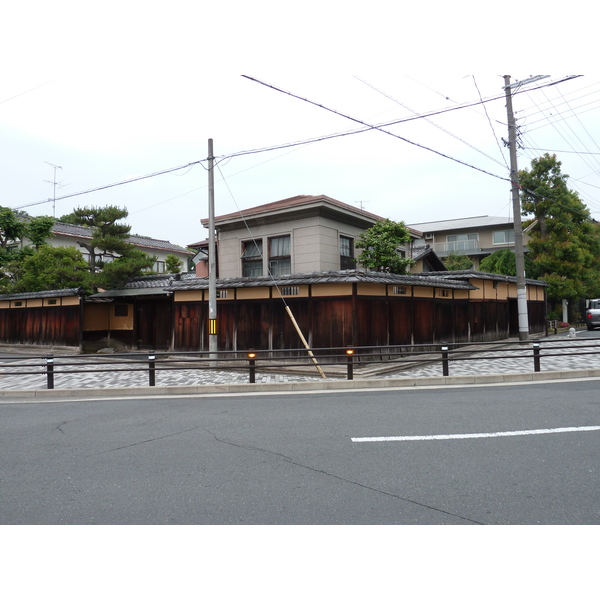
{"x": 347, "y": 321}
{"x": 46, "y": 326}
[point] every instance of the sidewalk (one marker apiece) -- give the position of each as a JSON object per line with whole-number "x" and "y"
{"x": 199, "y": 381}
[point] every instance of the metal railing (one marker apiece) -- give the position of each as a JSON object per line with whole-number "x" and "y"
{"x": 344, "y": 362}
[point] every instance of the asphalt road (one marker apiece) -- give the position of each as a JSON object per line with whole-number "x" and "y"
{"x": 302, "y": 458}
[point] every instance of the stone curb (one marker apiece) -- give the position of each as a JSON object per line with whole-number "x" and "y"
{"x": 257, "y": 388}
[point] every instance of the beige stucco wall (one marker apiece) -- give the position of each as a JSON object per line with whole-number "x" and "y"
{"x": 423, "y": 292}
{"x": 332, "y": 289}
{"x": 252, "y": 293}
{"x": 314, "y": 244}
{"x": 189, "y": 296}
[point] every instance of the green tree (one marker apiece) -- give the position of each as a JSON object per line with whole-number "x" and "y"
{"x": 173, "y": 264}
{"x": 116, "y": 273}
{"x": 110, "y": 237}
{"x": 39, "y": 229}
{"x": 504, "y": 262}
{"x": 457, "y": 262}
{"x": 380, "y": 245}
{"x": 51, "y": 268}
{"x": 564, "y": 240}
{"x": 15, "y": 226}
{"x": 12, "y": 228}
{"x": 107, "y": 235}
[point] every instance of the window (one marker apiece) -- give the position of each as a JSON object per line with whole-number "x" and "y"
{"x": 280, "y": 259}
{"x": 461, "y": 242}
{"x": 121, "y": 310}
{"x": 252, "y": 263}
{"x": 399, "y": 289}
{"x": 290, "y": 291}
{"x": 504, "y": 237}
{"x": 347, "y": 253}
{"x": 159, "y": 266}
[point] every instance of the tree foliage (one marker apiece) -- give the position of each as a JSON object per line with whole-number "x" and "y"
{"x": 108, "y": 236}
{"x": 119, "y": 259}
{"x": 457, "y": 262}
{"x": 173, "y": 264}
{"x": 504, "y": 262}
{"x": 52, "y": 268}
{"x": 12, "y": 228}
{"x": 380, "y": 245}
{"x": 564, "y": 240}
{"x": 38, "y": 266}
{"x": 39, "y": 229}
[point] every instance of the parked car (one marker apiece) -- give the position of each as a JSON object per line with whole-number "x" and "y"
{"x": 592, "y": 314}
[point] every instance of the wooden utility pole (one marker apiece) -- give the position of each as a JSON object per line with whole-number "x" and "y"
{"x": 519, "y": 252}
{"x": 212, "y": 262}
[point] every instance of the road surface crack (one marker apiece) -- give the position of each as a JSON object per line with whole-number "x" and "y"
{"x": 343, "y": 479}
{"x": 161, "y": 437}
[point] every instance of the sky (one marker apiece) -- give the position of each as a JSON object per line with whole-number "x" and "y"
{"x": 91, "y": 98}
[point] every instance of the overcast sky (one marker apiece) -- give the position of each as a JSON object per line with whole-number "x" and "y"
{"x": 129, "y": 89}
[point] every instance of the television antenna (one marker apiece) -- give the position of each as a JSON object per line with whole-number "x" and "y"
{"x": 54, "y": 186}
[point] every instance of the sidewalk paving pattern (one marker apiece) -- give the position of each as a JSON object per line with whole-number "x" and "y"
{"x": 485, "y": 364}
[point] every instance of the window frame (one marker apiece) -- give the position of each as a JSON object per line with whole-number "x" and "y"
{"x": 347, "y": 260}
{"x": 280, "y": 264}
{"x": 253, "y": 263}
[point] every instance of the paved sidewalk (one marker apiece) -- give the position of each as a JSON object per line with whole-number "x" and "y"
{"x": 514, "y": 360}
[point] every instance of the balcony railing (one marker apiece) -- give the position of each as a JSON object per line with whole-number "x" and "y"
{"x": 461, "y": 247}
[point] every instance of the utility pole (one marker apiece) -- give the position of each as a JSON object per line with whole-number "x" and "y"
{"x": 514, "y": 178}
{"x": 212, "y": 262}
{"x": 54, "y": 183}
{"x": 519, "y": 252}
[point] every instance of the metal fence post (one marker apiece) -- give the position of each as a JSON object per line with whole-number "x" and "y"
{"x": 445, "y": 370}
{"x": 350, "y": 354}
{"x": 50, "y": 371}
{"x": 252, "y": 366}
{"x": 152, "y": 370}
{"x": 536, "y": 357}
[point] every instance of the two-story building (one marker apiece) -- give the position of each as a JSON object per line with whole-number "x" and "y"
{"x": 302, "y": 234}
{"x": 475, "y": 237}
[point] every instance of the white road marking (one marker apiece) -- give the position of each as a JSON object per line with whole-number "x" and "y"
{"x": 466, "y": 436}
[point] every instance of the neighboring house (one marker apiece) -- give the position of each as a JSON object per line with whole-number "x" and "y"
{"x": 200, "y": 259}
{"x": 303, "y": 234}
{"x": 65, "y": 234}
{"x": 477, "y": 237}
{"x": 426, "y": 260}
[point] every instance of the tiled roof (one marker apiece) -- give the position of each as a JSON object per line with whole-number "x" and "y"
{"x": 44, "y": 294}
{"x": 471, "y": 274}
{"x": 145, "y": 285}
{"x": 298, "y": 202}
{"x": 81, "y": 231}
{"x": 293, "y": 202}
{"x": 467, "y": 223}
{"x": 350, "y": 276}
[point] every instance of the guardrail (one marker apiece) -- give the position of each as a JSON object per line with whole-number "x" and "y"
{"x": 395, "y": 358}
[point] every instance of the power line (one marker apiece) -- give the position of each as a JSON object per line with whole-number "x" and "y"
{"x": 376, "y": 127}
{"x": 111, "y": 185}
{"x": 366, "y": 127}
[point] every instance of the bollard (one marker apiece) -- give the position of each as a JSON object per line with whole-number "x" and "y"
{"x": 350, "y": 354}
{"x": 50, "y": 371}
{"x": 152, "y": 370}
{"x": 252, "y": 366}
{"x": 445, "y": 369}
{"x": 536, "y": 357}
